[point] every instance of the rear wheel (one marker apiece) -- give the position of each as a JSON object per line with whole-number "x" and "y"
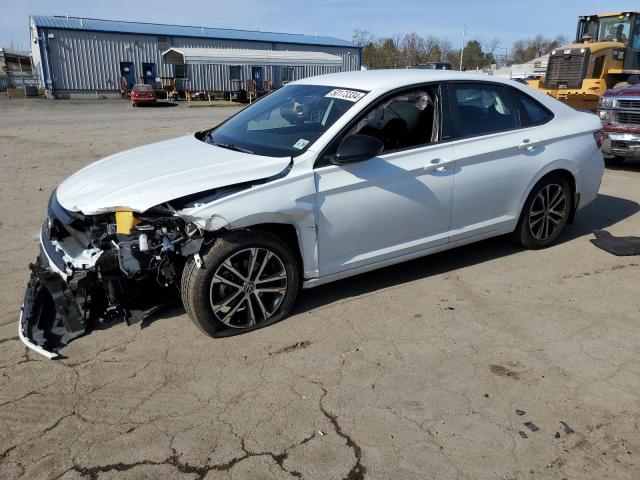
{"x": 545, "y": 213}
{"x": 248, "y": 280}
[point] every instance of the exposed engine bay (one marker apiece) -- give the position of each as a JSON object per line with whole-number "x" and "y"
{"x": 103, "y": 268}
{"x": 118, "y": 264}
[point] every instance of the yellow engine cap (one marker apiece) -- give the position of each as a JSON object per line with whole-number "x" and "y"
{"x": 125, "y": 221}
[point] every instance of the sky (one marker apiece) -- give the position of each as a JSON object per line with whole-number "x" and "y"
{"x": 484, "y": 19}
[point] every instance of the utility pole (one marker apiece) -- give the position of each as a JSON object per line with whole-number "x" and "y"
{"x": 464, "y": 30}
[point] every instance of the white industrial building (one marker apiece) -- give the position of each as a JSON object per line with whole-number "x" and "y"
{"x": 536, "y": 68}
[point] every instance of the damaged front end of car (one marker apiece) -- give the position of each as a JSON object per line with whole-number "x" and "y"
{"x": 98, "y": 269}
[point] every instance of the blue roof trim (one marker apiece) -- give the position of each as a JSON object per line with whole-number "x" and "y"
{"x": 115, "y": 26}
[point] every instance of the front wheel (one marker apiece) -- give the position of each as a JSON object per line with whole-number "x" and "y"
{"x": 247, "y": 280}
{"x": 545, "y": 213}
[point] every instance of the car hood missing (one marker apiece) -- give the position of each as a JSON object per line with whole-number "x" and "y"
{"x": 143, "y": 177}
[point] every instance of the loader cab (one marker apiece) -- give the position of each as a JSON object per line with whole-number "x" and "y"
{"x": 621, "y": 28}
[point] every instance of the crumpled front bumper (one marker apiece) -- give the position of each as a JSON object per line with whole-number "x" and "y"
{"x": 79, "y": 283}
{"x": 50, "y": 316}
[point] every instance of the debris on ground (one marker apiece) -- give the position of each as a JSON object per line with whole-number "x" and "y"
{"x": 531, "y": 426}
{"x": 291, "y": 348}
{"x": 520, "y": 412}
{"x": 567, "y": 428}
{"x": 522, "y": 434}
{"x": 619, "y": 246}
{"x": 557, "y": 435}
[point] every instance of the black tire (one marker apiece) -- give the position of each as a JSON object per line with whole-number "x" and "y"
{"x": 613, "y": 161}
{"x": 528, "y": 233}
{"x": 199, "y": 287}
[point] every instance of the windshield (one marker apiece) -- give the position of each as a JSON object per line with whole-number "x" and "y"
{"x": 142, "y": 88}
{"x": 608, "y": 29}
{"x": 286, "y": 122}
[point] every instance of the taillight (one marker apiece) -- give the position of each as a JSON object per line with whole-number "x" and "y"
{"x": 599, "y": 138}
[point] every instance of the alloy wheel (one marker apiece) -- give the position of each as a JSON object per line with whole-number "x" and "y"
{"x": 248, "y": 287}
{"x": 548, "y": 211}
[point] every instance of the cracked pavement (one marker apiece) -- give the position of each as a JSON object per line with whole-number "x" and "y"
{"x": 412, "y": 372}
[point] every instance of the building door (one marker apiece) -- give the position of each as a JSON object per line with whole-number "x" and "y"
{"x": 149, "y": 74}
{"x": 127, "y": 71}
{"x": 257, "y": 73}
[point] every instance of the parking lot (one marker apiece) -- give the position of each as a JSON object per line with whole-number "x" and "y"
{"x": 411, "y": 372}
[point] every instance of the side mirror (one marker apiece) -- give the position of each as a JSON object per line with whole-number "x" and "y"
{"x": 356, "y": 148}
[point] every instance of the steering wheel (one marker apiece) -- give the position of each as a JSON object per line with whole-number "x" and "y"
{"x": 316, "y": 115}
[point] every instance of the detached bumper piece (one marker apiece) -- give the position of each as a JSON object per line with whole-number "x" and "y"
{"x": 56, "y": 311}
{"x": 51, "y": 317}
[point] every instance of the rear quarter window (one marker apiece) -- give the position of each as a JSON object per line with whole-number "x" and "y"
{"x": 531, "y": 111}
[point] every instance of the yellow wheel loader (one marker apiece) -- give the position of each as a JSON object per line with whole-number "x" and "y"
{"x": 606, "y": 54}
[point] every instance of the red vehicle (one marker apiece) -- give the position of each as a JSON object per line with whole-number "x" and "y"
{"x": 142, "y": 94}
{"x": 619, "y": 110}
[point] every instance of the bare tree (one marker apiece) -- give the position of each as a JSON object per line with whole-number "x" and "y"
{"x": 446, "y": 50}
{"x": 362, "y": 37}
{"x": 398, "y": 40}
{"x": 432, "y": 50}
{"x": 490, "y": 46}
{"x": 413, "y": 49}
{"x": 399, "y": 51}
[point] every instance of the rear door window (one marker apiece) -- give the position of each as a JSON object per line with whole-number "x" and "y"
{"x": 481, "y": 109}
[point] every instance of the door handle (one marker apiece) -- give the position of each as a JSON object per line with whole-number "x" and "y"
{"x": 527, "y": 144}
{"x": 437, "y": 165}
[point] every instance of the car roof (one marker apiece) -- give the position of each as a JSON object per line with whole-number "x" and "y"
{"x": 371, "y": 80}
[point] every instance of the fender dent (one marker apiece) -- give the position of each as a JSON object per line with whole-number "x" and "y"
{"x": 215, "y": 222}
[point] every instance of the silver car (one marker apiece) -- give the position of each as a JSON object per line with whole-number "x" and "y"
{"x": 323, "y": 179}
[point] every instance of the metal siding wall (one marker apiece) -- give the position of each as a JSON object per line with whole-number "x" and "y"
{"x": 90, "y": 61}
{"x": 216, "y": 77}
{"x": 350, "y": 59}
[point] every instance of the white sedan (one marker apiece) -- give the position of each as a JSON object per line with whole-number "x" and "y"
{"x": 325, "y": 178}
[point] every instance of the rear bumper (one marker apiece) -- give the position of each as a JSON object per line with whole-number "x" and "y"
{"x": 621, "y": 145}
{"x": 143, "y": 100}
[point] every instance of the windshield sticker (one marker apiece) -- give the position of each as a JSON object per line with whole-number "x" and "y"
{"x": 349, "y": 95}
{"x": 300, "y": 144}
